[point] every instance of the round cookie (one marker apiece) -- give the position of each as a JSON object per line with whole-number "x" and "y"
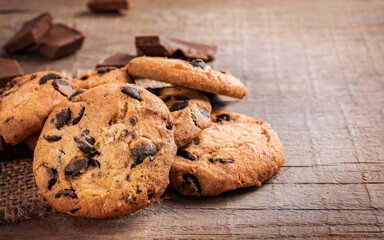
{"x": 195, "y": 74}
{"x": 107, "y": 153}
{"x": 26, "y": 102}
{"x": 235, "y": 151}
{"x": 190, "y": 112}
{"x": 102, "y": 76}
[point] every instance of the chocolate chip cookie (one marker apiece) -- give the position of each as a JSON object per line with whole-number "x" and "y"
{"x": 235, "y": 151}
{"x": 26, "y": 102}
{"x": 190, "y": 111}
{"x": 107, "y": 153}
{"x": 195, "y": 74}
{"x": 102, "y": 76}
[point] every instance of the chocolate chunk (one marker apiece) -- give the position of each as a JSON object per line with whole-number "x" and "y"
{"x": 185, "y": 154}
{"x": 30, "y": 33}
{"x": 9, "y": 68}
{"x": 52, "y": 174}
{"x": 66, "y": 193}
{"x": 94, "y": 163}
{"x": 60, "y": 41}
{"x": 76, "y": 119}
{"x": 157, "y": 45}
{"x": 133, "y": 121}
{"x": 61, "y": 152}
{"x": 33, "y": 76}
{"x": 52, "y": 138}
{"x": 150, "y": 196}
{"x": 85, "y": 77}
{"x": 73, "y": 211}
{"x": 85, "y": 147}
{"x": 50, "y": 76}
{"x": 203, "y": 111}
{"x": 129, "y": 178}
{"x": 74, "y": 168}
{"x": 190, "y": 183}
{"x": 179, "y": 106}
{"x": 198, "y": 63}
{"x": 108, "y": 5}
{"x": 127, "y": 133}
{"x": 166, "y": 99}
{"x": 132, "y": 92}
{"x": 181, "y": 97}
{"x": 194, "y": 119}
{"x": 76, "y": 93}
{"x": 61, "y": 118}
{"x": 63, "y": 87}
{"x": 116, "y": 59}
{"x": 9, "y": 119}
{"x": 225, "y": 117}
{"x": 149, "y": 109}
{"x": 221, "y": 160}
{"x": 87, "y": 138}
{"x": 170, "y": 125}
{"x": 2, "y": 143}
{"x": 139, "y": 154}
{"x": 103, "y": 70}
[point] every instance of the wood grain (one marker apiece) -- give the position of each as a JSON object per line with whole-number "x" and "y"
{"x": 314, "y": 70}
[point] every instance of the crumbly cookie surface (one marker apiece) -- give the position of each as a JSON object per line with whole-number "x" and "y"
{"x": 26, "y": 102}
{"x": 195, "y": 74}
{"x": 235, "y": 151}
{"x": 190, "y": 110}
{"x": 107, "y": 153}
{"x": 102, "y": 76}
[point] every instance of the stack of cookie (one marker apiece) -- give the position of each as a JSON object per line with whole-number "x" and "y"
{"x": 107, "y": 147}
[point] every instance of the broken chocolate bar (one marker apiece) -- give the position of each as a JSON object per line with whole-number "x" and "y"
{"x": 61, "y": 40}
{"x": 9, "y": 69}
{"x": 108, "y": 5}
{"x": 153, "y": 45}
{"x": 29, "y": 34}
{"x": 116, "y": 59}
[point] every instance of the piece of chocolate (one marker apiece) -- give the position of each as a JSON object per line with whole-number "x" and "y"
{"x": 30, "y": 33}
{"x": 9, "y": 69}
{"x": 157, "y": 45}
{"x": 108, "y": 5}
{"x": 61, "y": 40}
{"x": 116, "y": 59}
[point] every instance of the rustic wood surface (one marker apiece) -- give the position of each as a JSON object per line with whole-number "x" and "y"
{"x": 314, "y": 70}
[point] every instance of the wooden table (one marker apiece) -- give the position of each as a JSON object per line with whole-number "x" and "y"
{"x": 314, "y": 70}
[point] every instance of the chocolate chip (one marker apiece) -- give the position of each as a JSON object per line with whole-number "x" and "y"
{"x": 61, "y": 152}
{"x": 52, "y": 138}
{"x": 166, "y": 99}
{"x": 33, "y": 76}
{"x": 133, "y": 121}
{"x": 199, "y": 63}
{"x": 63, "y": 87}
{"x": 130, "y": 200}
{"x": 87, "y": 138}
{"x": 129, "y": 178}
{"x": 2, "y": 143}
{"x": 94, "y": 163}
{"x": 139, "y": 154}
{"x": 181, "y": 97}
{"x": 9, "y": 119}
{"x": 85, "y": 77}
{"x": 203, "y": 111}
{"x": 150, "y": 196}
{"x": 76, "y": 93}
{"x": 77, "y": 118}
{"x": 52, "y": 174}
{"x": 74, "y": 168}
{"x": 190, "y": 182}
{"x": 66, "y": 193}
{"x": 105, "y": 70}
{"x": 149, "y": 109}
{"x": 179, "y": 106}
{"x": 221, "y": 160}
{"x": 61, "y": 118}
{"x": 170, "y": 125}
{"x": 84, "y": 147}
{"x": 73, "y": 211}
{"x": 225, "y": 117}
{"x": 194, "y": 119}
{"x": 132, "y": 92}
{"x": 48, "y": 77}
{"x": 185, "y": 154}
{"x": 127, "y": 133}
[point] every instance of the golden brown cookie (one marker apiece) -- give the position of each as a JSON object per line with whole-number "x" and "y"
{"x": 195, "y": 74}
{"x": 26, "y": 102}
{"x": 107, "y": 153}
{"x": 235, "y": 151}
{"x": 100, "y": 76}
{"x": 190, "y": 110}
